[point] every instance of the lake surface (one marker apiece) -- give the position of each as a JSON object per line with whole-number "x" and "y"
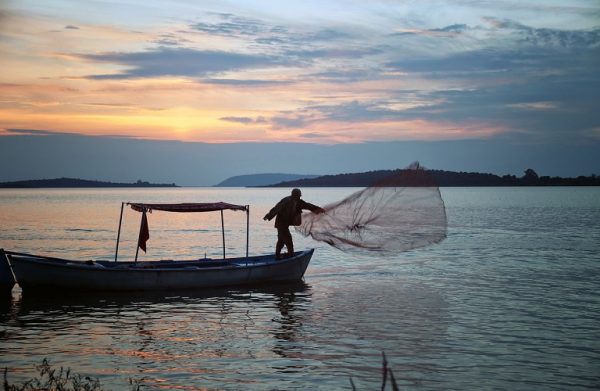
{"x": 510, "y": 300}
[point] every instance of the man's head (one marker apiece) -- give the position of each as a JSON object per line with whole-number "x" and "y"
{"x": 296, "y": 193}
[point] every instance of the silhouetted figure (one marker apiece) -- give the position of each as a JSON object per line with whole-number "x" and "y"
{"x": 289, "y": 212}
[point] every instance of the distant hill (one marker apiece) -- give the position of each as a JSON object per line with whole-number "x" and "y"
{"x": 260, "y": 179}
{"x": 76, "y": 183}
{"x": 444, "y": 179}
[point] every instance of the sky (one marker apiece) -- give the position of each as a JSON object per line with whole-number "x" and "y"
{"x": 511, "y": 77}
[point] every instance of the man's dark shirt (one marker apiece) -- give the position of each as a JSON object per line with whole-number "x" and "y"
{"x": 288, "y": 209}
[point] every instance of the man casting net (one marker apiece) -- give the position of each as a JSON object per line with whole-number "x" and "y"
{"x": 401, "y": 212}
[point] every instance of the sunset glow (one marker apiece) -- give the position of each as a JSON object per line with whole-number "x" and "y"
{"x": 323, "y": 72}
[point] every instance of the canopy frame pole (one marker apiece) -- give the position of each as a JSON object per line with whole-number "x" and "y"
{"x": 137, "y": 248}
{"x": 247, "y": 228}
{"x": 119, "y": 231}
{"x": 223, "y": 232}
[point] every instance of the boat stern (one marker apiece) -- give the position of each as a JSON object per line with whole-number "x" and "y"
{"x": 7, "y": 279}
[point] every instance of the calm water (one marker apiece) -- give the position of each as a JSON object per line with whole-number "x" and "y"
{"x": 510, "y": 300}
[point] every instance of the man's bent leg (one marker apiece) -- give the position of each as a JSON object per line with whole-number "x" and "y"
{"x": 280, "y": 243}
{"x": 289, "y": 243}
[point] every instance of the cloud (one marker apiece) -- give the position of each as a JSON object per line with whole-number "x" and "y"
{"x": 262, "y": 45}
{"x": 547, "y": 36}
{"x": 245, "y": 83}
{"x": 328, "y": 35}
{"x": 348, "y": 112}
{"x": 346, "y": 75}
{"x": 286, "y": 41}
{"x": 542, "y": 96}
{"x": 353, "y": 111}
{"x": 485, "y": 60}
{"x": 513, "y": 59}
{"x": 536, "y": 82}
{"x": 447, "y": 31}
{"x": 454, "y": 28}
{"x": 290, "y": 121}
{"x": 245, "y": 120}
{"x": 535, "y": 105}
{"x": 550, "y": 108}
{"x": 171, "y": 39}
{"x": 178, "y": 62}
{"x": 71, "y": 27}
{"x": 333, "y": 52}
{"x": 34, "y": 132}
{"x": 233, "y": 26}
{"x": 312, "y": 135}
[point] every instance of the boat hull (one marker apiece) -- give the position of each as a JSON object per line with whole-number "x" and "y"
{"x": 43, "y": 273}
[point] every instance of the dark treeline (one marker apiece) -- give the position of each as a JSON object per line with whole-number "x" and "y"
{"x": 445, "y": 179}
{"x": 74, "y": 182}
{"x": 530, "y": 178}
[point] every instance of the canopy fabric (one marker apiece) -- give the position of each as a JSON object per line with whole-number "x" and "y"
{"x": 186, "y": 207}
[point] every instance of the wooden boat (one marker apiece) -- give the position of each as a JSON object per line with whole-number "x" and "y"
{"x": 37, "y": 272}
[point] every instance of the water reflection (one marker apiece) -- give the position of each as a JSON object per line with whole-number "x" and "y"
{"x": 207, "y": 333}
{"x": 84, "y": 302}
{"x": 6, "y": 305}
{"x": 202, "y": 333}
{"x": 291, "y": 306}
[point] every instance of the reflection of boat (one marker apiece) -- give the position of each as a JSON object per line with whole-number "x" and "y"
{"x": 64, "y": 301}
{"x": 34, "y": 272}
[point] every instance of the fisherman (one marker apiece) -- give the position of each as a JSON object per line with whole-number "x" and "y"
{"x": 289, "y": 212}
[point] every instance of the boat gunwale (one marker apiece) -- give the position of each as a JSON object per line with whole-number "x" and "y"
{"x": 131, "y": 266}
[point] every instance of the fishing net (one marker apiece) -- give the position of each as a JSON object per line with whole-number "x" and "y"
{"x": 401, "y": 212}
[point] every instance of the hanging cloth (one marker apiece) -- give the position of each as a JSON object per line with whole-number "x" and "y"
{"x": 144, "y": 232}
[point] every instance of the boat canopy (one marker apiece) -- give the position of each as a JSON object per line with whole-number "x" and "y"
{"x": 182, "y": 208}
{"x": 186, "y": 207}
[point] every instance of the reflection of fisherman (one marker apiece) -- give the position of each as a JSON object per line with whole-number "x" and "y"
{"x": 289, "y": 212}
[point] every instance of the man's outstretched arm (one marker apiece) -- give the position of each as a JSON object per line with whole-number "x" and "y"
{"x": 311, "y": 207}
{"x": 273, "y": 212}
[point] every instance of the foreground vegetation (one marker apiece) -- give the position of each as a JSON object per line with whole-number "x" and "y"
{"x": 52, "y": 379}
{"x": 385, "y": 372}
